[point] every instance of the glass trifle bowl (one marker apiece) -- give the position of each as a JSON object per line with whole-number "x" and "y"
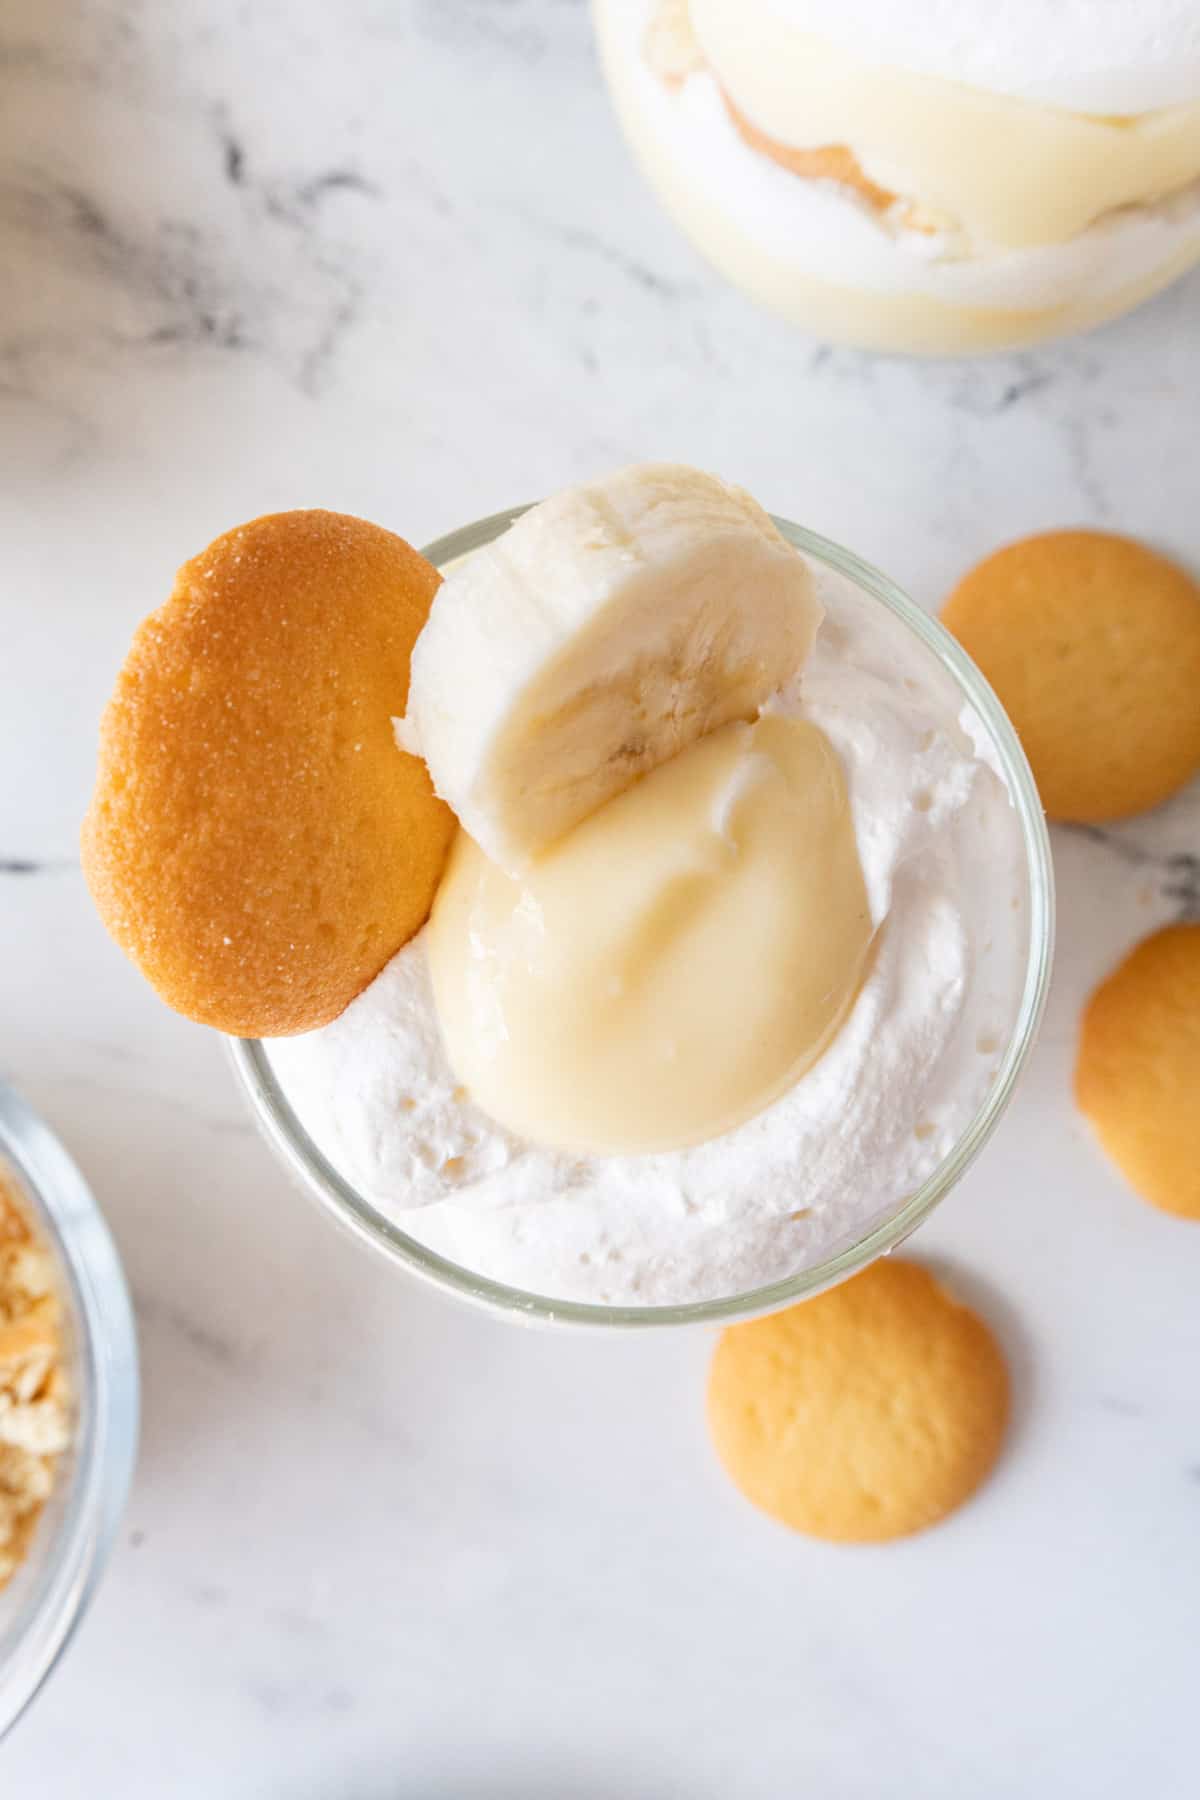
{"x": 627, "y": 1242}
{"x": 921, "y": 177}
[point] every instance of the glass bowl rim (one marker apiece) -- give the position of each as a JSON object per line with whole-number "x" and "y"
{"x": 356, "y": 1214}
{"x": 104, "y": 1447}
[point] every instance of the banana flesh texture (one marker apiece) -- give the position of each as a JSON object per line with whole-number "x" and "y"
{"x": 610, "y": 627}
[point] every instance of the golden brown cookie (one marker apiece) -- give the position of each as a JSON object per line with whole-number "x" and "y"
{"x": 828, "y": 162}
{"x": 1092, "y": 643}
{"x": 1137, "y": 1076}
{"x": 867, "y": 1413}
{"x": 673, "y": 53}
{"x": 256, "y": 842}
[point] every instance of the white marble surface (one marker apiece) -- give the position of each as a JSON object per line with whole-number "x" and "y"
{"x": 389, "y": 256}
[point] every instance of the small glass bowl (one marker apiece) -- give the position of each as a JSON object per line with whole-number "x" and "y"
{"x": 51, "y": 1590}
{"x": 355, "y": 1212}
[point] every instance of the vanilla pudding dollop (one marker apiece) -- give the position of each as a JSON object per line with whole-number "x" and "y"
{"x": 673, "y": 964}
{"x": 854, "y": 1106}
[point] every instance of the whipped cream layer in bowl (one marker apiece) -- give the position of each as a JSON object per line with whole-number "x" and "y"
{"x": 368, "y": 1113}
{"x": 978, "y": 179}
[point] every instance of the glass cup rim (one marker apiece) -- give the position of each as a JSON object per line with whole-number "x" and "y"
{"x": 353, "y": 1212}
{"x": 105, "y": 1369}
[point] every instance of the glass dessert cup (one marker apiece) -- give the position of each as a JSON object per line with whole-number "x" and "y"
{"x": 912, "y": 254}
{"x": 51, "y": 1589}
{"x": 354, "y": 1212}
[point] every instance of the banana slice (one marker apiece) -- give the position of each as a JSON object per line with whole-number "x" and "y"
{"x": 609, "y": 628}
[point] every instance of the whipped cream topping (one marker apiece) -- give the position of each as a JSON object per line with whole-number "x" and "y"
{"x": 942, "y": 861}
{"x": 1096, "y": 56}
